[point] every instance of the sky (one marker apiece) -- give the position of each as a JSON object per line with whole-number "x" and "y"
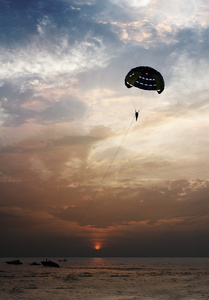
{"x": 78, "y": 175}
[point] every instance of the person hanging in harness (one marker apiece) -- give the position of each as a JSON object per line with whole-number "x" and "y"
{"x": 137, "y": 114}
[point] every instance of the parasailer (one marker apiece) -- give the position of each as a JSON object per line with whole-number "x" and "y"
{"x": 145, "y": 78}
{"x": 137, "y": 114}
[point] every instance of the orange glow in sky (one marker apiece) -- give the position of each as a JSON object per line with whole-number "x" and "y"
{"x": 97, "y": 247}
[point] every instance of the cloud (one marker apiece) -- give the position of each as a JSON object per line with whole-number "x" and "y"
{"x": 177, "y": 15}
{"x": 132, "y": 3}
{"x": 181, "y": 200}
{"x": 57, "y": 58}
{"x": 177, "y": 208}
{"x": 25, "y": 106}
{"x": 53, "y": 156}
{"x": 40, "y": 74}
{"x": 66, "y": 121}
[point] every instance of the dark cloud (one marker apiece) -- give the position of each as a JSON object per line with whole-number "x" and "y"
{"x": 175, "y": 226}
{"x": 180, "y": 200}
{"x": 37, "y": 163}
{"x": 21, "y": 19}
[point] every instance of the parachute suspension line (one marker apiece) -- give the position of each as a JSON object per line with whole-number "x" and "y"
{"x": 99, "y": 186}
{"x": 133, "y": 104}
{"x": 136, "y": 101}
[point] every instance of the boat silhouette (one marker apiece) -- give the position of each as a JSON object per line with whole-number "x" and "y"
{"x": 49, "y": 263}
{"x": 14, "y": 262}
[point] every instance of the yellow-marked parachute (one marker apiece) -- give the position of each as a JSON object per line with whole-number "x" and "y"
{"x": 145, "y": 78}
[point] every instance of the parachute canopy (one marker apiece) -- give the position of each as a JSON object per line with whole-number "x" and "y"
{"x": 145, "y": 78}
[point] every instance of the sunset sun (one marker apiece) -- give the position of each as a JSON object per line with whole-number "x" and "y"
{"x": 97, "y": 247}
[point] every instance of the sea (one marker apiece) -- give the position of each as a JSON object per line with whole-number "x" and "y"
{"x": 106, "y": 279}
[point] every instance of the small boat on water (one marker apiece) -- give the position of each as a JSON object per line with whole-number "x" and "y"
{"x": 49, "y": 263}
{"x": 63, "y": 260}
{"x": 35, "y": 264}
{"x": 14, "y": 262}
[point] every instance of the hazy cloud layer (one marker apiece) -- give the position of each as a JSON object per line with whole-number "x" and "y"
{"x": 70, "y": 154}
